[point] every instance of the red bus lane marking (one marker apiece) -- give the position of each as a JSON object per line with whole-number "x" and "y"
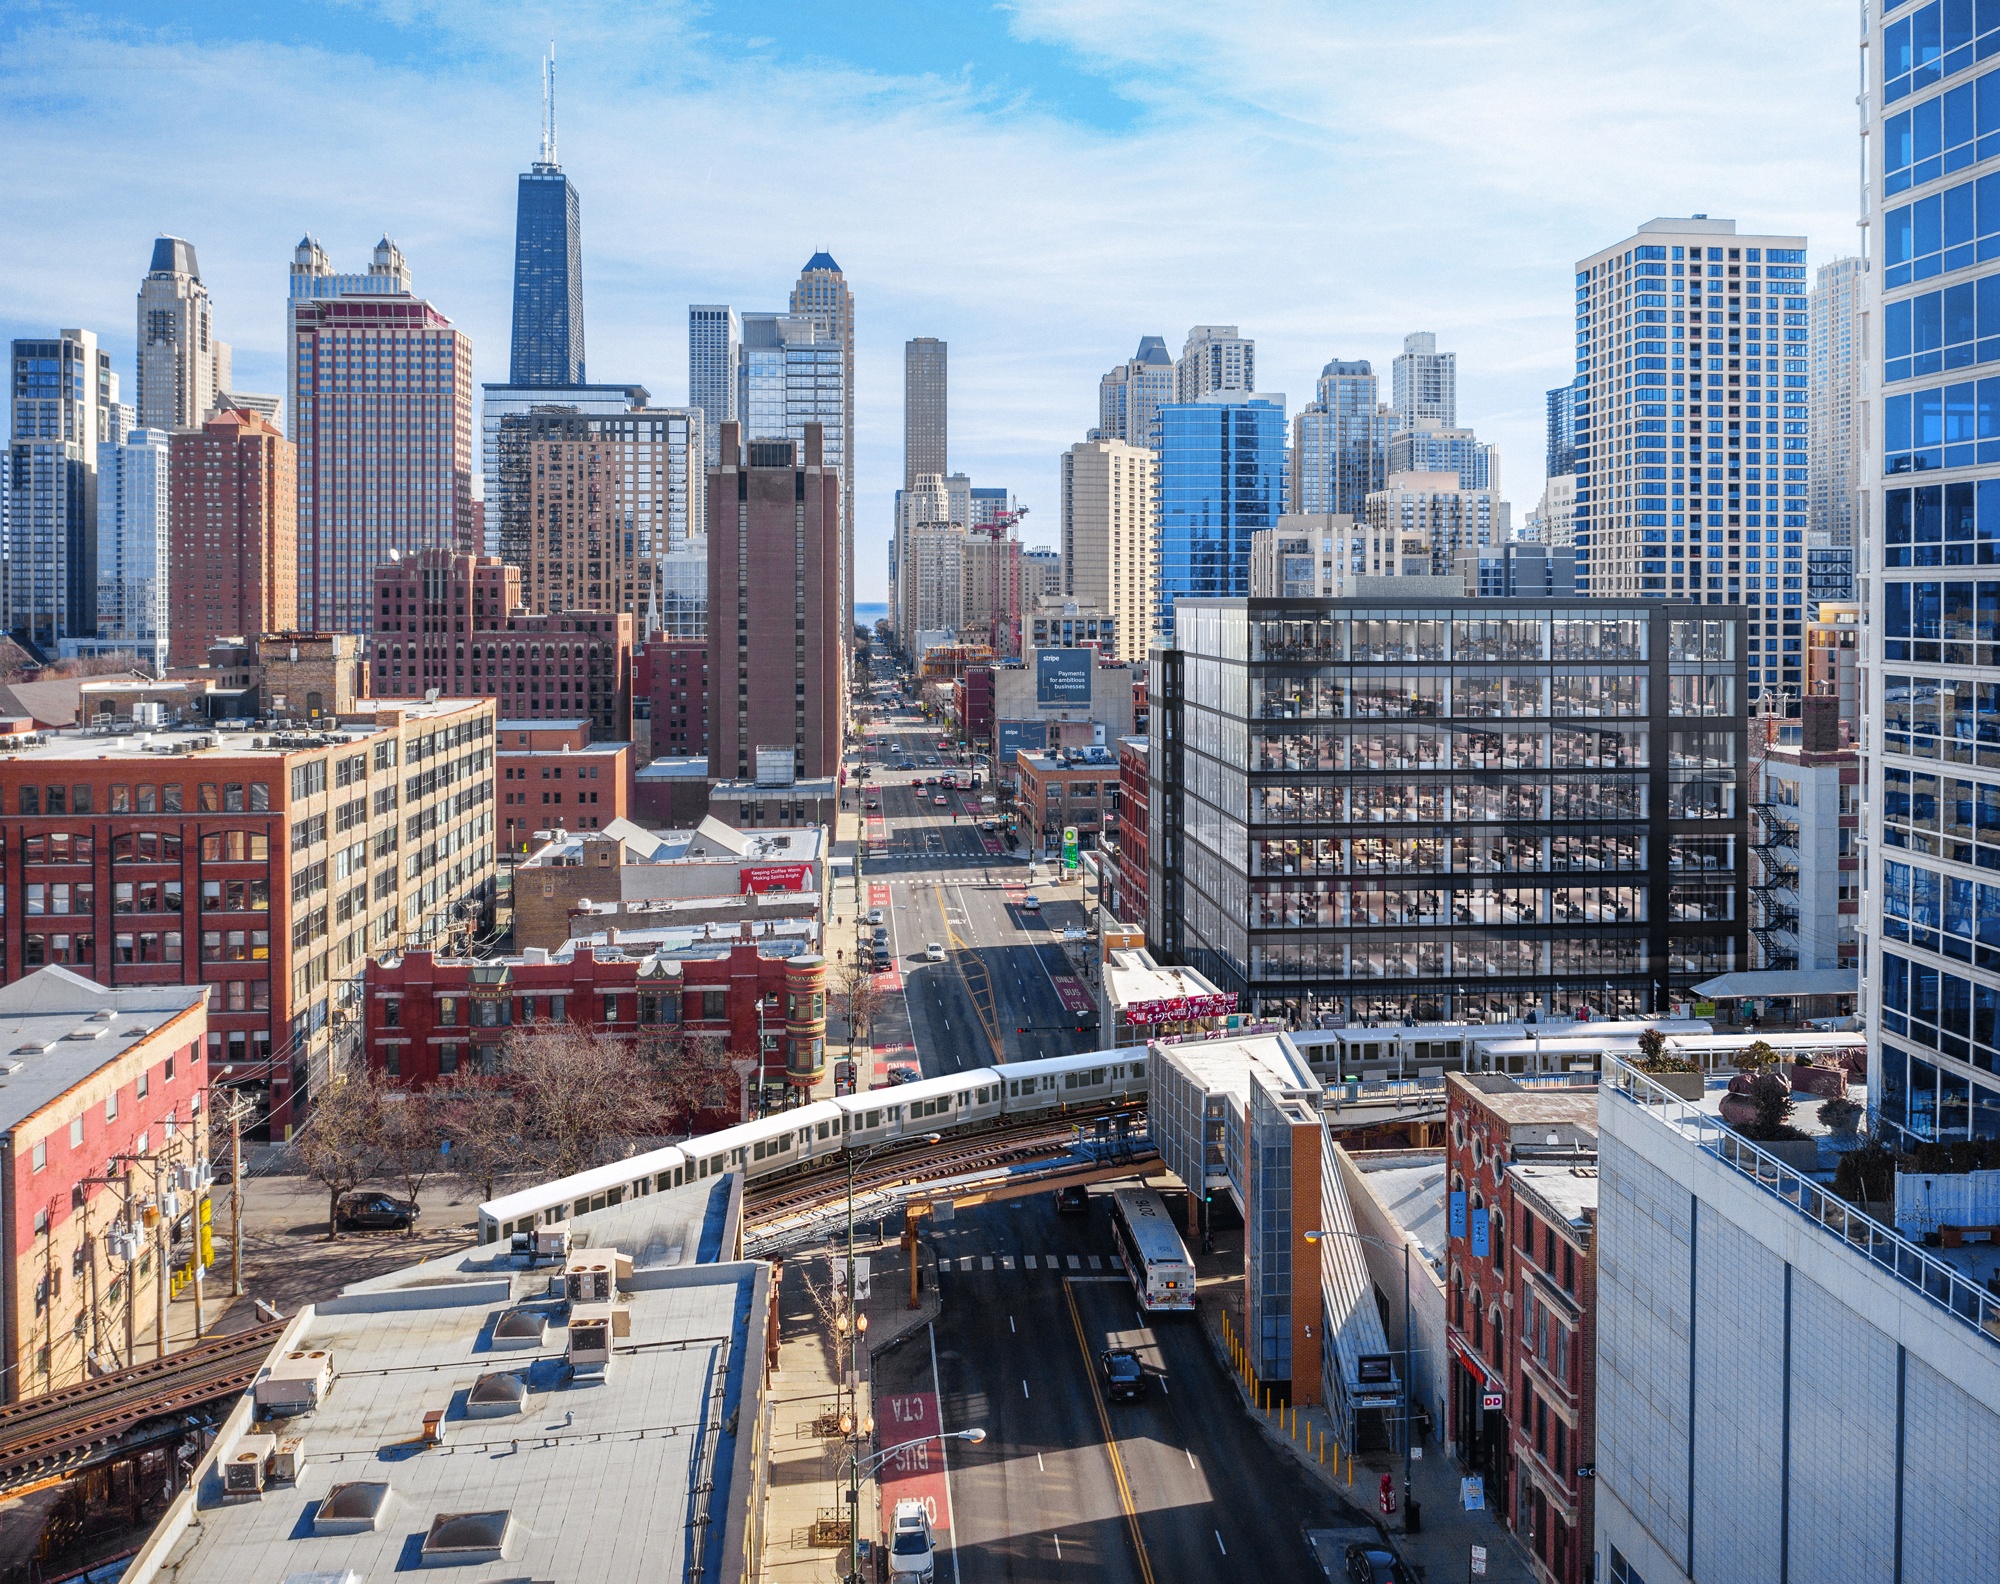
{"x": 1074, "y": 997}
{"x": 916, "y": 1472}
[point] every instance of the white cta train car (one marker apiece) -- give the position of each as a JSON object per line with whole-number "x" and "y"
{"x": 791, "y": 1141}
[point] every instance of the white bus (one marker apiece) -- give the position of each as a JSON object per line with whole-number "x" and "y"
{"x": 1155, "y": 1258}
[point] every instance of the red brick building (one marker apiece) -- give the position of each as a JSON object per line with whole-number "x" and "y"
{"x": 232, "y": 535}
{"x": 454, "y": 622}
{"x": 972, "y": 702}
{"x": 429, "y": 1017}
{"x": 265, "y": 867}
{"x": 1128, "y": 871}
{"x": 553, "y": 777}
{"x": 776, "y": 632}
{"x": 97, "y": 1076}
{"x": 1521, "y": 1302}
{"x": 676, "y": 687}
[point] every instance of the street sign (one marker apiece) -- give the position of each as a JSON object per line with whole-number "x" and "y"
{"x": 1479, "y": 1561}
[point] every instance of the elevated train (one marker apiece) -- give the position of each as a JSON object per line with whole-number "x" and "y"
{"x": 791, "y": 1142}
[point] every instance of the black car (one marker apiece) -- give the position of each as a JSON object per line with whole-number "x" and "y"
{"x": 1073, "y": 1200}
{"x": 376, "y": 1212}
{"x": 1371, "y": 1563}
{"x": 1123, "y": 1375}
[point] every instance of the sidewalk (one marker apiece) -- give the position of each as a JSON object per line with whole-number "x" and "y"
{"x": 1441, "y": 1550}
{"x": 805, "y": 1497}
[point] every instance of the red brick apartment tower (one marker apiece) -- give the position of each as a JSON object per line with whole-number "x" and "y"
{"x": 233, "y": 540}
{"x": 775, "y": 628}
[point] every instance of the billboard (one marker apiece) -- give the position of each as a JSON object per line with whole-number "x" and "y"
{"x": 774, "y": 877}
{"x": 1062, "y": 678}
{"x": 1031, "y": 735}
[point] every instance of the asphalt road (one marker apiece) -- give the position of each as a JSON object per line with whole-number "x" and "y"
{"x": 1179, "y": 1487}
{"x": 995, "y": 997}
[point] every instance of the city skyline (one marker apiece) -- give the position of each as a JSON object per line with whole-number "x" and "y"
{"x": 1049, "y": 92}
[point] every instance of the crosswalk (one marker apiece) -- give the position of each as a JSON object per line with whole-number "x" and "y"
{"x": 1023, "y": 1263}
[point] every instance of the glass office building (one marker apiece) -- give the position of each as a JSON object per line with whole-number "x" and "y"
{"x": 1455, "y": 810}
{"x": 1340, "y": 441}
{"x": 1928, "y": 543}
{"x": 548, "y": 281}
{"x": 1218, "y": 479}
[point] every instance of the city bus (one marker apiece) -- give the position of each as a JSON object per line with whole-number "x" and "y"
{"x": 1155, "y": 1258}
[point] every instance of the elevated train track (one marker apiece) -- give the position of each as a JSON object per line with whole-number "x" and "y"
{"x": 46, "y": 1437}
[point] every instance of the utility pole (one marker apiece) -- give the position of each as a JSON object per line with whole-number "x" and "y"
{"x": 131, "y": 1276}
{"x": 161, "y": 1251}
{"x": 237, "y": 1104}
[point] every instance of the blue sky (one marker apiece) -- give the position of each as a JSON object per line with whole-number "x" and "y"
{"x": 1040, "y": 182}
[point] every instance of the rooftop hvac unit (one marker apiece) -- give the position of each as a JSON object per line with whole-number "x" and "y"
{"x": 288, "y": 1461}
{"x": 243, "y": 1469}
{"x": 550, "y": 1243}
{"x": 589, "y": 1350}
{"x": 297, "y": 1383}
{"x": 590, "y": 1280}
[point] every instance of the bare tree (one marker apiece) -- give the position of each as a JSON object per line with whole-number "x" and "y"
{"x": 860, "y": 998}
{"x": 480, "y": 1121}
{"x": 583, "y": 1095}
{"x": 686, "y": 1067}
{"x": 412, "y": 1141}
{"x": 340, "y": 1146}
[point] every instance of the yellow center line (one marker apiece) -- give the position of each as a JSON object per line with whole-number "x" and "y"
{"x": 1110, "y": 1440}
{"x": 982, "y": 997}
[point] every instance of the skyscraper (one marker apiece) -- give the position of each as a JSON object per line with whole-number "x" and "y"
{"x": 134, "y": 518}
{"x": 382, "y": 404}
{"x": 1340, "y": 441}
{"x": 1214, "y": 359}
{"x": 506, "y": 508}
{"x": 1128, "y": 396}
{"x": 548, "y": 265}
{"x": 822, "y": 289}
{"x": 1108, "y": 560}
{"x": 601, "y": 510}
{"x": 1636, "y": 532}
{"x": 715, "y": 336}
{"x": 1435, "y": 509}
{"x": 924, "y": 408}
{"x": 1923, "y": 528}
{"x": 1561, "y": 443}
{"x": 1429, "y": 447}
{"x": 1221, "y": 463}
{"x": 232, "y": 535}
{"x": 1423, "y": 382}
{"x": 182, "y": 365}
{"x": 1834, "y": 307}
{"x": 63, "y": 395}
{"x": 776, "y": 628}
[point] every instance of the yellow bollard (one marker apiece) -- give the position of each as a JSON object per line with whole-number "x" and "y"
{"x": 1322, "y": 1449}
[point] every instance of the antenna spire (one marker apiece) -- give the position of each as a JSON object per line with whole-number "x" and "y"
{"x": 549, "y": 107}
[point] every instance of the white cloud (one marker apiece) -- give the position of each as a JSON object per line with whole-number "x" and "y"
{"x": 1325, "y": 176}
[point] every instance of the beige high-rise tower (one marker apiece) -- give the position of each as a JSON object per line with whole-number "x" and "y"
{"x": 822, "y": 290}
{"x": 1107, "y": 528}
{"x": 183, "y": 366}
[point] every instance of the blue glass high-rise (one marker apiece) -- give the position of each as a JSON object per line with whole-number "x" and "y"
{"x": 1220, "y": 478}
{"x": 548, "y": 281}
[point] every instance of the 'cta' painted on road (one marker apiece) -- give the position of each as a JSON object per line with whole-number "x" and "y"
{"x": 916, "y": 1471}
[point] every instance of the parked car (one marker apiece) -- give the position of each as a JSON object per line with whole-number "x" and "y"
{"x": 1073, "y": 1200}
{"x": 376, "y": 1212}
{"x": 874, "y": 915}
{"x": 1123, "y": 1375}
{"x": 1370, "y": 1562}
{"x": 911, "y": 1558}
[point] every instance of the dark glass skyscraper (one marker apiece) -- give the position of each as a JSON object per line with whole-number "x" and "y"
{"x": 1221, "y": 463}
{"x": 548, "y": 267}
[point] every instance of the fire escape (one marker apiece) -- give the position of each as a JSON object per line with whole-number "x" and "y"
{"x": 1775, "y": 896}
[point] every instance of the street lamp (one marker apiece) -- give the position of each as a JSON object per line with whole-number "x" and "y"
{"x": 1361, "y": 1237}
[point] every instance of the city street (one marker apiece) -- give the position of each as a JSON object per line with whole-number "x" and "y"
{"x": 1179, "y": 1486}
{"x": 1005, "y": 990}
